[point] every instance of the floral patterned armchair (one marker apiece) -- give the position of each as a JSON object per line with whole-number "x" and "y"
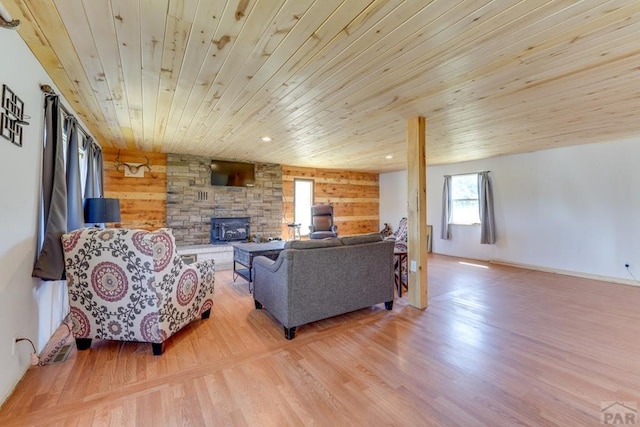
{"x": 400, "y": 236}
{"x": 131, "y": 285}
{"x": 400, "y": 239}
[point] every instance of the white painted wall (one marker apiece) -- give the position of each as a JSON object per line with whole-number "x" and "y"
{"x": 393, "y": 198}
{"x": 574, "y": 209}
{"x": 28, "y": 307}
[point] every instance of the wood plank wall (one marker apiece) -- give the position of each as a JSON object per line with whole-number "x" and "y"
{"x": 355, "y": 197}
{"x": 142, "y": 200}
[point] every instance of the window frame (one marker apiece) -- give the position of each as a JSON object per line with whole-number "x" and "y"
{"x": 82, "y": 158}
{"x": 455, "y": 219}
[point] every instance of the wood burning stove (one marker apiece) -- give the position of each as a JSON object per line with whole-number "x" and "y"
{"x": 234, "y": 229}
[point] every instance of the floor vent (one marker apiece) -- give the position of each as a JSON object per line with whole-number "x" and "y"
{"x": 62, "y": 354}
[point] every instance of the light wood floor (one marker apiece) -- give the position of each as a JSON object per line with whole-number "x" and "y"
{"x": 497, "y": 346}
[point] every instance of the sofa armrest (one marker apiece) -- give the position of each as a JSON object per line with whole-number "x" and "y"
{"x": 185, "y": 296}
{"x": 267, "y": 263}
{"x": 271, "y": 285}
{"x": 334, "y": 229}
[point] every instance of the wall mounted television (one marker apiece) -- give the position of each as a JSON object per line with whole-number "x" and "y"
{"x": 233, "y": 174}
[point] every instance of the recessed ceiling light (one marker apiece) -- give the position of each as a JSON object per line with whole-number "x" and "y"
{"x": 266, "y": 139}
{"x": 388, "y": 157}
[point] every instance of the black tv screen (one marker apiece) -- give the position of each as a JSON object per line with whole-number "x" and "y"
{"x": 234, "y": 174}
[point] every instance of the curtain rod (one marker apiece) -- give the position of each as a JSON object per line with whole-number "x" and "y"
{"x": 69, "y": 114}
{"x": 6, "y": 21}
{"x": 467, "y": 173}
{"x": 49, "y": 91}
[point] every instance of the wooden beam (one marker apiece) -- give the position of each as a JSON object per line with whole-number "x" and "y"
{"x": 417, "y": 211}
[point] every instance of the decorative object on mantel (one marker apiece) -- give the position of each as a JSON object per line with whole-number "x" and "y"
{"x": 100, "y": 210}
{"x": 12, "y": 116}
{"x": 132, "y": 169}
{"x": 6, "y": 21}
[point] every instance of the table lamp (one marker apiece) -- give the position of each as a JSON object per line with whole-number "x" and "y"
{"x": 101, "y": 210}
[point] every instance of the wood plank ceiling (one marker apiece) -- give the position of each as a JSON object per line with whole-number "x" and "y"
{"x": 333, "y": 82}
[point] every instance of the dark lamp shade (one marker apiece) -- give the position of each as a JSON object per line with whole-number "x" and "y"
{"x": 100, "y": 210}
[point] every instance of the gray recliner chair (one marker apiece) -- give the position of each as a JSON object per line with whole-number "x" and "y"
{"x": 322, "y": 225}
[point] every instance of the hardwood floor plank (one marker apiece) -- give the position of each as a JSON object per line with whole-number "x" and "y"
{"x": 497, "y": 346}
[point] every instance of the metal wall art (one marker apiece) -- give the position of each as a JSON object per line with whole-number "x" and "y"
{"x": 11, "y": 116}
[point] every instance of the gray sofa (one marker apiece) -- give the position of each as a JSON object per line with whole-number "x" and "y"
{"x": 316, "y": 279}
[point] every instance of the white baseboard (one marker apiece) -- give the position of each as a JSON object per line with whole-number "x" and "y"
{"x": 616, "y": 280}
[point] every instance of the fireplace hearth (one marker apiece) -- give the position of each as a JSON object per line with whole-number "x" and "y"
{"x": 225, "y": 230}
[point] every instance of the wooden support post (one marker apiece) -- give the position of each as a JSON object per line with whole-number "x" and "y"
{"x": 417, "y": 211}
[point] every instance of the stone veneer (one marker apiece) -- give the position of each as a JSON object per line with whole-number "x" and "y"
{"x": 192, "y": 200}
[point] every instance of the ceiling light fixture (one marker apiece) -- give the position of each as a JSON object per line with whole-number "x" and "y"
{"x": 266, "y": 139}
{"x": 388, "y": 157}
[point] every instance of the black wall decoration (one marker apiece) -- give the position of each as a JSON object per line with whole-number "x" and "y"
{"x": 11, "y": 116}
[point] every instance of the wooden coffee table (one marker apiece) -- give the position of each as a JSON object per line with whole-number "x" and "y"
{"x": 244, "y": 253}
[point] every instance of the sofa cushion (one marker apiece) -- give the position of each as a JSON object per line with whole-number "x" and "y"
{"x": 361, "y": 238}
{"x": 313, "y": 244}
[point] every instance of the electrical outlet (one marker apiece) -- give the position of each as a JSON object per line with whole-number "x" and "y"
{"x": 13, "y": 345}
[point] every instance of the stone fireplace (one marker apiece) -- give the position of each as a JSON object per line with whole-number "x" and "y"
{"x": 225, "y": 230}
{"x": 192, "y": 201}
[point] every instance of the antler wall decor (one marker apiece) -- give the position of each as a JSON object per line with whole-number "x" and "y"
{"x": 133, "y": 168}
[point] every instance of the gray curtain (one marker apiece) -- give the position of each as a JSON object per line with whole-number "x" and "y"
{"x": 445, "y": 230}
{"x": 75, "y": 215}
{"x": 485, "y": 204}
{"x": 94, "y": 187}
{"x": 49, "y": 264}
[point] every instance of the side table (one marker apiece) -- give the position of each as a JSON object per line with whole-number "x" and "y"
{"x": 244, "y": 253}
{"x": 294, "y": 229}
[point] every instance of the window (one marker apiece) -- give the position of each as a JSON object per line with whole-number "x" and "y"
{"x": 82, "y": 136}
{"x": 464, "y": 199}
{"x": 302, "y": 201}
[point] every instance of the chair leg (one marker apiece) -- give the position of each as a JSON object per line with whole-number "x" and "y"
{"x": 158, "y": 348}
{"x": 289, "y": 333}
{"x": 83, "y": 343}
{"x": 389, "y": 305}
{"x": 206, "y": 314}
